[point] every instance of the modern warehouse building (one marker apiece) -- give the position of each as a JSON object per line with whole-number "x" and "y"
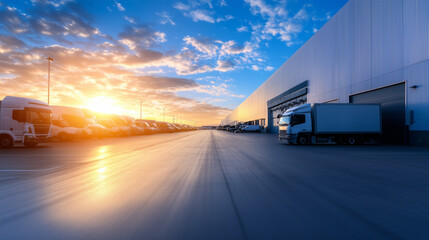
{"x": 371, "y": 51}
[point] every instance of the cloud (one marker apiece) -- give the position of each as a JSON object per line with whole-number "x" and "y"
{"x": 224, "y": 66}
{"x": 197, "y": 12}
{"x": 119, "y": 6}
{"x": 14, "y": 21}
{"x": 164, "y": 83}
{"x": 301, "y": 15}
{"x": 277, "y": 22}
{"x": 232, "y": 48}
{"x": 78, "y": 76}
{"x": 57, "y": 19}
{"x": 223, "y": 19}
{"x": 242, "y": 29}
{"x": 165, "y": 18}
{"x": 181, "y": 6}
{"x": 268, "y": 68}
{"x": 130, "y": 19}
{"x": 140, "y": 35}
{"x": 260, "y": 7}
{"x": 255, "y": 68}
{"x": 203, "y": 45}
{"x": 8, "y": 43}
{"x": 201, "y": 15}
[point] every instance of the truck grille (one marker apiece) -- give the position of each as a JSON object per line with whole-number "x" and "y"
{"x": 282, "y": 132}
{"x": 41, "y": 128}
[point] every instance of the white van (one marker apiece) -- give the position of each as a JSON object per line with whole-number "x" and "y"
{"x": 69, "y": 123}
{"x": 24, "y": 120}
{"x": 251, "y": 128}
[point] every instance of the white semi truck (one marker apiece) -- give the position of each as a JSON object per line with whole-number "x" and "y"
{"x": 340, "y": 123}
{"x": 24, "y": 120}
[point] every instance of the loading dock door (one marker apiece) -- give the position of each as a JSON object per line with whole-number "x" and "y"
{"x": 392, "y": 100}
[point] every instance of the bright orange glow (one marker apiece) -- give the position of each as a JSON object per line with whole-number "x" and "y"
{"x": 103, "y": 104}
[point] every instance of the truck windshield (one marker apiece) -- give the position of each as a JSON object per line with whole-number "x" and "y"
{"x": 60, "y": 123}
{"x": 284, "y": 121}
{"x": 36, "y": 117}
{"x": 74, "y": 121}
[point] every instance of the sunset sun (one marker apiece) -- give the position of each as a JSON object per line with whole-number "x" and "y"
{"x": 103, "y": 104}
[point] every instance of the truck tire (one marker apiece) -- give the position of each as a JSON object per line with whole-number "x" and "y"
{"x": 6, "y": 141}
{"x": 351, "y": 140}
{"x": 302, "y": 140}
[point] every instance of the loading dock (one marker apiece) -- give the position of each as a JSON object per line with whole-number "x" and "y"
{"x": 392, "y": 100}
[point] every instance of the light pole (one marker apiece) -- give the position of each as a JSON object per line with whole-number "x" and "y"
{"x": 49, "y": 75}
{"x": 140, "y": 109}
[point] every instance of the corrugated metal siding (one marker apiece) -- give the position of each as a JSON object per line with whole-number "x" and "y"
{"x": 367, "y": 44}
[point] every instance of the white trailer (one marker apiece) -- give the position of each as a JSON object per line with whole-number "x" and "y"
{"x": 24, "y": 120}
{"x": 331, "y": 123}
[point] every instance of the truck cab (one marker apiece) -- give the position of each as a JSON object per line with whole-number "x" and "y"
{"x": 295, "y": 121}
{"x": 24, "y": 120}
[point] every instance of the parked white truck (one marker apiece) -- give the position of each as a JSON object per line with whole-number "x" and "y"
{"x": 24, "y": 120}
{"x": 341, "y": 123}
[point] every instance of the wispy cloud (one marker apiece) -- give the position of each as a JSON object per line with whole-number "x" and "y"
{"x": 141, "y": 35}
{"x": 165, "y": 18}
{"x": 201, "y": 15}
{"x": 119, "y": 6}
{"x": 243, "y": 29}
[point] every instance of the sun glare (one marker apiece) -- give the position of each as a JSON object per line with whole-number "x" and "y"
{"x": 103, "y": 104}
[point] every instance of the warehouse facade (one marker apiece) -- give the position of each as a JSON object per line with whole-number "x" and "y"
{"x": 371, "y": 51}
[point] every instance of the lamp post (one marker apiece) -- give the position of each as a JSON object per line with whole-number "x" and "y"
{"x": 49, "y": 75}
{"x": 140, "y": 109}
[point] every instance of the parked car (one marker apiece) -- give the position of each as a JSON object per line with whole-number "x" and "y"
{"x": 110, "y": 125}
{"x": 134, "y": 129}
{"x": 121, "y": 123}
{"x": 97, "y": 130}
{"x": 153, "y": 124}
{"x": 251, "y": 128}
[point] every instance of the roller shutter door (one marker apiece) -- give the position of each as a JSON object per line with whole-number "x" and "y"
{"x": 392, "y": 100}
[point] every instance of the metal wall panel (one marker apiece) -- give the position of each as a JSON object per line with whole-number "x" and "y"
{"x": 366, "y": 45}
{"x": 416, "y": 31}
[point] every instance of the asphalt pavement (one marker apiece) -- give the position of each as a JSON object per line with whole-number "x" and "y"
{"x": 212, "y": 184}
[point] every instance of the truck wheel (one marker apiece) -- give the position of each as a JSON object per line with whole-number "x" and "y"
{"x": 302, "y": 140}
{"x": 351, "y": 140}
{"x": 6, "y": 141}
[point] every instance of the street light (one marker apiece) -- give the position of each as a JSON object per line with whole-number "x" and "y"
{"x": 49, "y": 75}
{"x": 140, "y": 109}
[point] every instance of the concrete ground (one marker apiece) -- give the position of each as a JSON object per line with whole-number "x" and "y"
{"x": 213, "y": 185}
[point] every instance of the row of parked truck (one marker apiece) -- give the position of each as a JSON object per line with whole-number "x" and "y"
{"x": 30, "y": 121}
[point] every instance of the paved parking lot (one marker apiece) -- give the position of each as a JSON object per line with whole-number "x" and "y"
{"x": 213, "y": 185}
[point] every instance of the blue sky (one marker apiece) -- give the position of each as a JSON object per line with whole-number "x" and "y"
{"x": 194, "y": 58}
